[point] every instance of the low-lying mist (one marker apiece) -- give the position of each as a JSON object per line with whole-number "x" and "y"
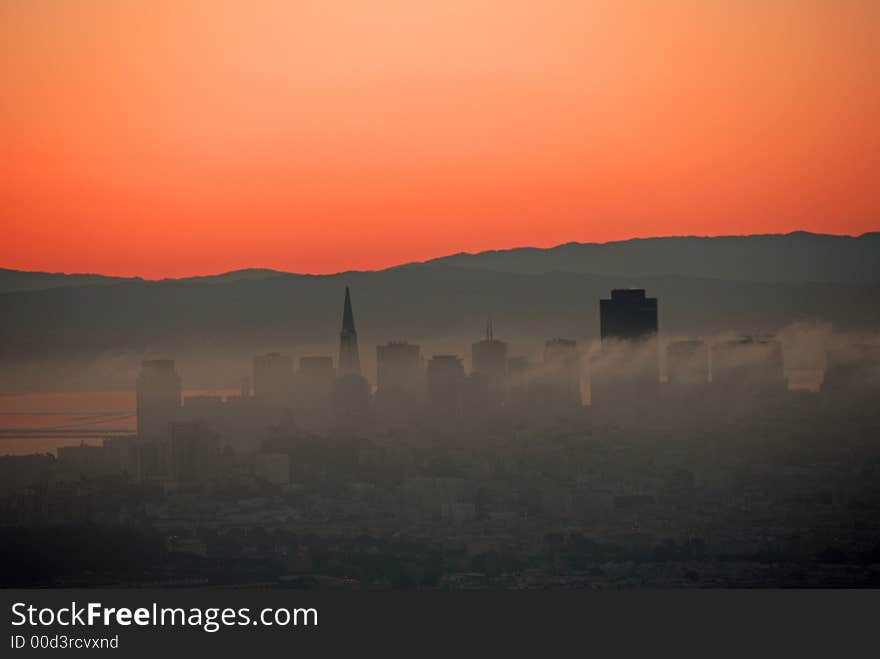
{"x": 806, "y": 348}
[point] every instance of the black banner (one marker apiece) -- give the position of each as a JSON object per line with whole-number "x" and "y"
{"x": 234, "y": 622}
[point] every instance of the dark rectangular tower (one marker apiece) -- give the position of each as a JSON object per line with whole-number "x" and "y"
{"x": 628, "y": 315}
{"x": 158, "y": 397}
{"x": 625, "y": 372}
{"x": 489, "y": 363}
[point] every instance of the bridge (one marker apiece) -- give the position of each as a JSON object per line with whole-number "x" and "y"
{"x": 82, "y": 426}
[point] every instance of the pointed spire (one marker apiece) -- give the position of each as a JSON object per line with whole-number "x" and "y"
{"x": 349, "y": 359}
{"x": 490, "y": 334}
{"x": 347, "y": 314}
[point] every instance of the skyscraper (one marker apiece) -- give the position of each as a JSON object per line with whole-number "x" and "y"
{"x": 349, "y": 358}
{"x": 350, "y": 394}
{"x": 489, "y": 362}
{"x": 625, "y": 372}
{"x": 398, "y": 366}
{"x": 400, "y": 379}
{"x": 158, "y": 397}
{"x": 628, "y": 315}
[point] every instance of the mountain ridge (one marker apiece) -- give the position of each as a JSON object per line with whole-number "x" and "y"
{"x": 604, "y": 258}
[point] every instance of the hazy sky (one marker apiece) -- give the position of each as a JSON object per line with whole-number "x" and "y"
{"x": 175, "y": 137}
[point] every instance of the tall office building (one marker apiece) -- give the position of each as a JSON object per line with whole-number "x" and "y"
{"x": 625, "y": 372}
{"x": 400, "y": 381}
{"x": 158, "y": 392}
{"x": 350, "y": 394}
{"x": 273, "y": 378}
{"x": 489, "y": 362}
{"x": 398, "y": 367}
{"x": 349, "y": 358}
{"x": 489, "y": 356}
{"x": 628, "y": 315}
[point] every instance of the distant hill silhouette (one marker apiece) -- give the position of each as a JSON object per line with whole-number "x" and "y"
{"x": 21, "y": 280}
{"x": 793, "y": 257}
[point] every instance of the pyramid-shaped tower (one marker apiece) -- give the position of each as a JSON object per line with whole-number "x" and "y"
{"x": 349, "y": 358}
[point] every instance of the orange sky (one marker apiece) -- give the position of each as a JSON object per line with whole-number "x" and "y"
{"x": 177, "y": 137}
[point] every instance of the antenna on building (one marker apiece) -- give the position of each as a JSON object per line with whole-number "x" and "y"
{"x": 490, "y": 334}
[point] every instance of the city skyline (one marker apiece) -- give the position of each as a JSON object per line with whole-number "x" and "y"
{"x": 311, "y": 478}
{"x": 431, "y": 295}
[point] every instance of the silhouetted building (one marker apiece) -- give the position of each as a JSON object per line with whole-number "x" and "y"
{"x": 273, "y": 378}
{"x": 158, "y": 397}
{"x": 489, "y": 360}
{"x": 445, "y": 382}
{"x": 687, "y": 363}
{"x": 349, "y": 358}
{"x": 628, "y": 315}
{"x": 625, "y": 371}
{"x": 398, "y": 366}
{"x": 400, "y": 382}
{"x": 239, "y": 421}
{"x": 350, "y": 394}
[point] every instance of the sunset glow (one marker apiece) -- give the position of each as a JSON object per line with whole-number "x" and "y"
{"x": 182, "y": 137}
